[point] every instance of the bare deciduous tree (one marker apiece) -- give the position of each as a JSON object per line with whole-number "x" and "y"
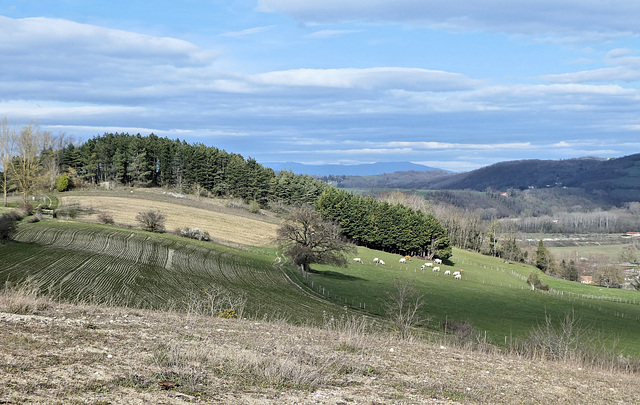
{"x": 151, "y": 221}
{"x": 307, "y": 238}
{"x": 7, "y": 142}
{"x": 33, "y": 148}
{"x": 402, "y": 307}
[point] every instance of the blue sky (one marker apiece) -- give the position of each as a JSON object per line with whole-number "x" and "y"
{"x": 455, "y": 85}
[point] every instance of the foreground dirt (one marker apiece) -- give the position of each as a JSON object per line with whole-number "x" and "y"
{"x": 66, "y": 354}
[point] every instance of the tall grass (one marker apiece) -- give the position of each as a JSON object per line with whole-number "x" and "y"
{"x": 23, "y": 299}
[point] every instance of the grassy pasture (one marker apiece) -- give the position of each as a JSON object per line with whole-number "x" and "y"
{"x": 611, "y": 251}
{"x": 104, "y": 264}
{"x": 492, "y": 296}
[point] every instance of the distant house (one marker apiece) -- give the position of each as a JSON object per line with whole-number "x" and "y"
{"x": 586, "y": 279}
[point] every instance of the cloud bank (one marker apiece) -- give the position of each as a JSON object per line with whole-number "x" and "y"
{"x": 528, "y": 17}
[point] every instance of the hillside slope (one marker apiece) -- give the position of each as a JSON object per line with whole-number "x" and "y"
{"x": 60, "y": 354}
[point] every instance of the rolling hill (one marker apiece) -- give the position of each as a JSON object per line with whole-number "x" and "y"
{"x": 616, "y": 180}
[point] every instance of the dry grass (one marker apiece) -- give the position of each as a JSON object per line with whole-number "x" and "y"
{"x": 209, "y": 215}
{"x": 70, "y": 354}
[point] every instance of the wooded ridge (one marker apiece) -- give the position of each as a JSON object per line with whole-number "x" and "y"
{"x": 616, "y": 180}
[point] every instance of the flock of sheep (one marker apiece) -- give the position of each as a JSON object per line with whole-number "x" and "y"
{"x": 456, "y": 274}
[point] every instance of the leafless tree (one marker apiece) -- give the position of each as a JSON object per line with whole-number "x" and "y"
{"x": 151, "y": 221}
{"x": 7, "y": 142}
{"x": 33, "y": 149}
{"x": 307, "y": 238}
{"x": 402, "y": 306}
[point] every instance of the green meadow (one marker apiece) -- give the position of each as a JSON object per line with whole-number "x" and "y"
{"x": 492, "y": 296}
{"x": 119, "y": 266}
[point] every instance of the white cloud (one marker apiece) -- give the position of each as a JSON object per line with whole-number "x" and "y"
{"x": 626, "y": 69}
{"x": 331, "y": 33}
{"x": 368, "y": 79}
{"x": 248, "y": 31}
{"x": 538, "y": 17}
{"x": 58, "y": 39}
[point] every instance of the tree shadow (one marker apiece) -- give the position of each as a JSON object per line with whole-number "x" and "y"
{"x": 335, "y": 275}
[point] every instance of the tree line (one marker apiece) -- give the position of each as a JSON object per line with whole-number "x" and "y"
{"x": 152, "y": 161}
{"x": 383, "y": 226}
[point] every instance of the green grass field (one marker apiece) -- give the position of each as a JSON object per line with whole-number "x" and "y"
{"x": 492, "y": 296}
{"x": 120, "y": 266}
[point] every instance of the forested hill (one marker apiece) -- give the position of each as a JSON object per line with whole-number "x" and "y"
{"x": 617, "y": 178}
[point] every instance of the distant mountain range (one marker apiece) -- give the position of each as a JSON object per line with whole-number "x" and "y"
{"x": 617, "y": 180}
{"x": 348, "y": 170}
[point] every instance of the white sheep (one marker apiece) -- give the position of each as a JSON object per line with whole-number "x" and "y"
{"x": 457, "y": 273}
{"x": 422, "y": 267}
{"x": 358, "y": 260}
{"x": 438, "y": 261}
{"x": 402, "y": 260}
{"x": 381, "y": 262}
{"x": 376, "y": 260}
{"x": 429, "y": 264}
{"x": 436, "y": 269}
{"x": 447, "y": 273}
{"x": 458, "y": 276}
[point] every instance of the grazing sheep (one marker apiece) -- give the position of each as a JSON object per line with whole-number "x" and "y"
{"x": 402, "y": 260}
{"x": 381, "y": 262}
{"x": 429, "y": 264}
{"x": 458, "y": 277}
{"x": 438, "y": 261}
{"x": 422, "y": 267}
{"x": 358, "y": 260}
{"x": 447, "y": 273}
{"x": 376, "y": 260}
{"x": 436, "y": 269}
{"x": 457, "y": 273}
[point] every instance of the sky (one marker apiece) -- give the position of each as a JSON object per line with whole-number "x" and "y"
{"x": 456, "y": 85}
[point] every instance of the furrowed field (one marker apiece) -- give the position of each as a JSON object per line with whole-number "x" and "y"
{"x": 108, "y": 265}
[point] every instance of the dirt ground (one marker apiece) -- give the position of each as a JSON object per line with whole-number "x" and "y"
{"x": 76, "y": 354}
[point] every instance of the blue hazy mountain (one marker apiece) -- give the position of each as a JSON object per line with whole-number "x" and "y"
{"x": 367, "y": 169}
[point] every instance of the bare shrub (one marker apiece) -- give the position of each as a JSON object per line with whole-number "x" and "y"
{"x": 235, "y": 203}
{"x": 461, "y": 329}
{"x": 7, "y": 226}
{"x": 402, "y": 305}
{"x": 195, "y": 233}
{"x": 280, "y": 208}
{"x": 216, "y": 301}
{"x": 27, "y": 208}
{"x": 105, "y": 218}
{"x": 152, "y": 221}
